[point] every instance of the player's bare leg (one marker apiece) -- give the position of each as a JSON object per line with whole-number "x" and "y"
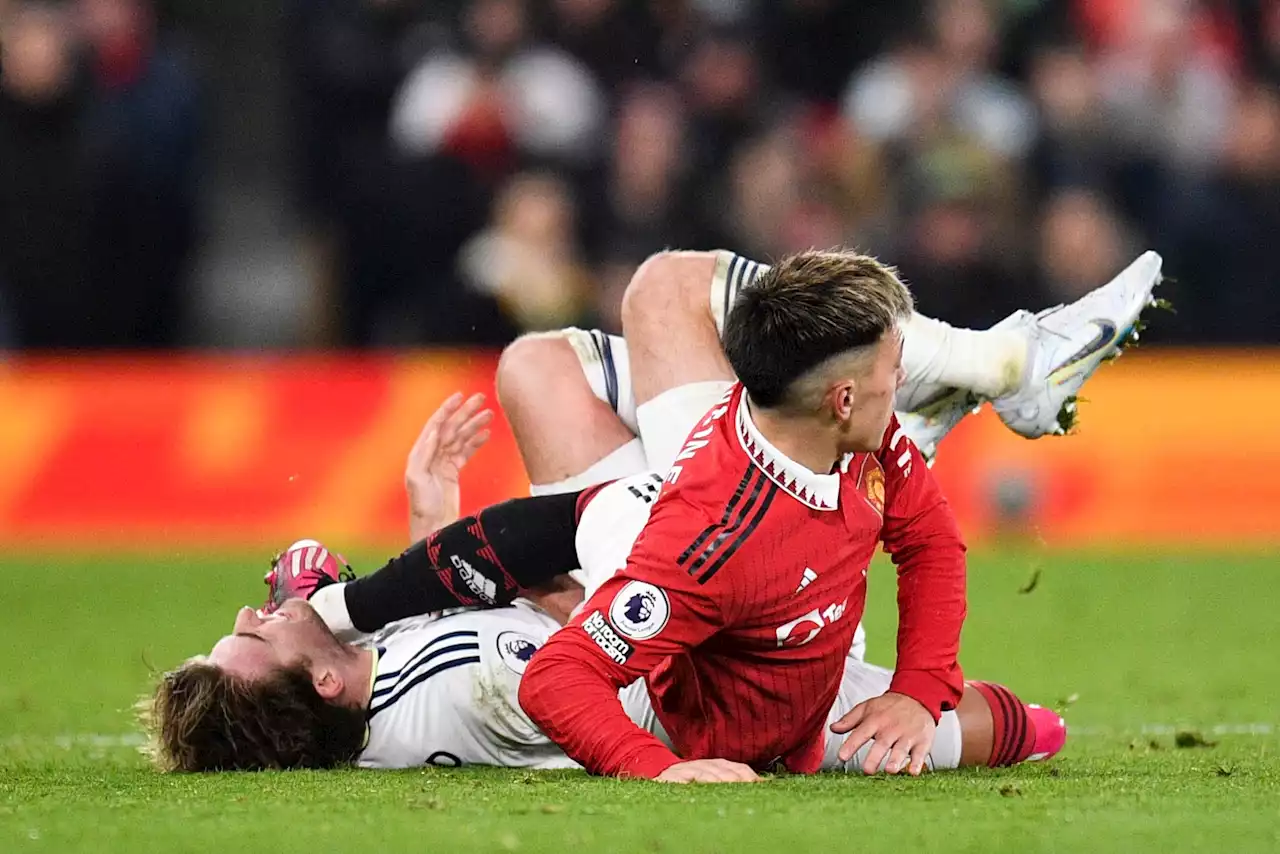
{"x": 1030, "y": 366}
{"x": 569, "y": 433}
{"x": 704, "y": 285}
{"x": 673, "y": 315}
{"x": 977, "y": 730}
{"x": 677, "y": 365}
{"x": 668, "y": 324}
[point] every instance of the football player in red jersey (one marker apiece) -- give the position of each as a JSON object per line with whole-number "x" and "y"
{"x": 250, "y": 703}
{"x": 630, "y": 402}
{"x": 643, "y": 394}
{"x": 740, "y": 599}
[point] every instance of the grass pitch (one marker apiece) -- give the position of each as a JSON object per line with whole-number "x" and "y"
{"x": 1144, "y": 651}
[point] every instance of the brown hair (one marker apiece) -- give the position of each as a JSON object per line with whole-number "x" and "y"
{"x": 201, "y": 718}
{"x": 809, "y": 308}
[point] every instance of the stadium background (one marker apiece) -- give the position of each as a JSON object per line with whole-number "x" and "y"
{"x": 246, "y": 248}
{"x": 309, "y": 200}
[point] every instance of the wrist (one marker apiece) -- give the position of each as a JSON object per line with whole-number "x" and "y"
{"x": 649, "y": 763}
{"x": 420, "y": 527}
{"x": 930, "y": 691}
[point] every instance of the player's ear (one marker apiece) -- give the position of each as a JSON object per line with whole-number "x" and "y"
{"x": 327, "y": 682}
{"x": 843, "y": 395}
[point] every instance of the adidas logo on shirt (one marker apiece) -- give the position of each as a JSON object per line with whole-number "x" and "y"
{"x": 809, "y": 577}
{"x": 486, "y": 589}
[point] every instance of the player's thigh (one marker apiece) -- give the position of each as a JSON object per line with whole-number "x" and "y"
{"x": 668, "y": 324}
{"x": 547, "y": 387}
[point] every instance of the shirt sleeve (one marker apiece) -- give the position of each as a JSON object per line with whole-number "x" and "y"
{"x": 648, "y": 612}
{"x": 922, "y": 537}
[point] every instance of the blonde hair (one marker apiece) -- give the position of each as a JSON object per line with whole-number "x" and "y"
{"x": 201, "y": 718}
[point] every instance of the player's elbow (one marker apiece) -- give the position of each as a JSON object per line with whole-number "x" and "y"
{"x": 930, "y": 557}
{"x": 930, "y": 538}
{"x": 667, "y": 283}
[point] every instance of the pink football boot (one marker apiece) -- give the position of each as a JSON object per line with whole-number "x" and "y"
{"x": 301, "y": 570}
{"x": 1051, "y": 732}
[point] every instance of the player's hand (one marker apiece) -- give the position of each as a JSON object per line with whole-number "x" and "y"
{"x": 901, "y": 728}
{"x": 709, "y": 771}
{"x": 447, "y": 441}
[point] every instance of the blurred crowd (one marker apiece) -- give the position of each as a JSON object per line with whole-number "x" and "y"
{"x": 99, "y": 175}
{"x": 465, "y": 170}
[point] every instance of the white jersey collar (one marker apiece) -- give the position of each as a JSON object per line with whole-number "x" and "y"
{"x": 819, "y": 491}
{"x": 379, "y": 652}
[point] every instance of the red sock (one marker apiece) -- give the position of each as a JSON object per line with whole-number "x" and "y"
{"x": 1013, "y": 732}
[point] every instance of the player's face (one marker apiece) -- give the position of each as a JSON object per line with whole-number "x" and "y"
{"x": 874, "y": 395}
{"x": 260, "y": 644}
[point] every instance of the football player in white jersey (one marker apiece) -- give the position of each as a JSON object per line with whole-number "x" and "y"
{"x": 284, "y": 691}
{"x": 644, "y": 390}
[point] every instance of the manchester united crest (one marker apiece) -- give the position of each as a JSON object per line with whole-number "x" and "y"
{"x": 873, "y": 485}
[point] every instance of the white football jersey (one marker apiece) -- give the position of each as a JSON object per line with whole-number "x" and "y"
{"x": 446, "y": 692}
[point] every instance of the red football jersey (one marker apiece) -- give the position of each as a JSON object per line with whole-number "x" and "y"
{"x": 739, "y": 603}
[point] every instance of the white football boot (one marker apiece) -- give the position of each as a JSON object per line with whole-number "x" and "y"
{"x": 933, "y": 419}
{"x": 1068, "y": 342}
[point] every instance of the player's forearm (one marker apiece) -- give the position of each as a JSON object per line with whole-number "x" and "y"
{"x": 483, "y": 560}
{"x": 922, "y": 536}
{"x": 422, "y": 525}
{"x": 576, "y": 705}
{"x": 931, "y": 612}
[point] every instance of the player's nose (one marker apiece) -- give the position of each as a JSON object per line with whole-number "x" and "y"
{"x": 247, "y": 619}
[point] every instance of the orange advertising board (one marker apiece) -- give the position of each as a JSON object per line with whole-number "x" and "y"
{"x": 1172, "y": 446}
{"x": 259, "y": 450}
{"x": 236, "y": 450}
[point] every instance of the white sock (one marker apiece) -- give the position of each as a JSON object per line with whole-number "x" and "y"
{"x": 330, "y": 603}
{"x": 937, "y": 355}
{"x": 667, "y": 420}
{"x": 622, "y": 462}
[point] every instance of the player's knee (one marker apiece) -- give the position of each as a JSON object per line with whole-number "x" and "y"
{"x": 529, "y": 365}
{"x": 667, "y": 285}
